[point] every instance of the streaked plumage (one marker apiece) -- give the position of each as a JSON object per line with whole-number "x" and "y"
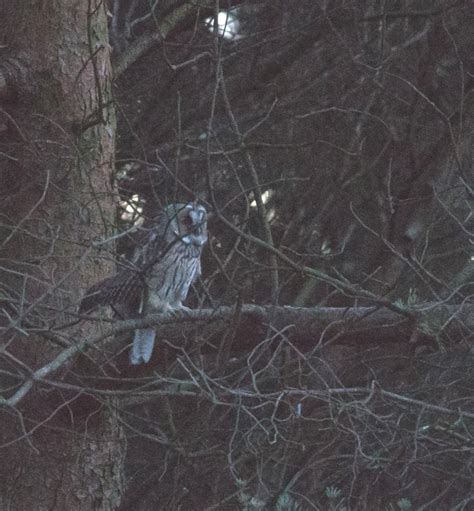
{"x": 164, "y": 264}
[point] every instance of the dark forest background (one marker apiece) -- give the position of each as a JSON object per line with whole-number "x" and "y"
{"x": 332, "y": 144}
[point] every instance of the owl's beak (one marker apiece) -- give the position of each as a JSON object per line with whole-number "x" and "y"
{"x": 199, "y": 236}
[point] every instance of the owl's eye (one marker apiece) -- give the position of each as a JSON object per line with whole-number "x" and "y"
{"x": 187, "y": 221}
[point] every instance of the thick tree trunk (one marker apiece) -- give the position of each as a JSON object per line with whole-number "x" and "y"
{"x": 56, "y": 151}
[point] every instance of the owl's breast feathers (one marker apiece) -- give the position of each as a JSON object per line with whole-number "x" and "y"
{"x": 171, "y": 277}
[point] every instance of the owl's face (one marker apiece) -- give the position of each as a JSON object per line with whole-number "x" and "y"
{"x": 188, "y": 222}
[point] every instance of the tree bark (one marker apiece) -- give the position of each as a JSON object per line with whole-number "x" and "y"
{"x": 56, "y": 154}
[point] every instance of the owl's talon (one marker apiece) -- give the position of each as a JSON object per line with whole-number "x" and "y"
{"x": 176, "y": 311}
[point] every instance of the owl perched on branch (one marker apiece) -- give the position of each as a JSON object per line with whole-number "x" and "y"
{"x": 164, "y": 264}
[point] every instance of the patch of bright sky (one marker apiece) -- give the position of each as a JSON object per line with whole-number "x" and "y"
{"x": 132, "y": 210}
{"x": 265, "y": 198}
{"x": 227, "y": 25}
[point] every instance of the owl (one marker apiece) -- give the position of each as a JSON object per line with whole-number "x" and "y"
{"x": 165, "y": 262}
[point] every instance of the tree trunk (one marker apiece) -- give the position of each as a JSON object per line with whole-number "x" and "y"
{"x": 56, "y": 152}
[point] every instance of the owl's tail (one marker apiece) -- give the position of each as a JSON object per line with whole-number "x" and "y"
{"x": 142, "y": 348}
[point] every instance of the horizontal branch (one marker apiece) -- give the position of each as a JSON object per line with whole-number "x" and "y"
{"x": 402, "y": 14}
{"x": 307, "y": 327}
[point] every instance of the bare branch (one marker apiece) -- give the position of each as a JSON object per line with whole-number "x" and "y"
{"x": 146, "y": 41}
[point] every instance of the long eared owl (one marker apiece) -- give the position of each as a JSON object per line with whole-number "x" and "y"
{"x": 165, "y": 261}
